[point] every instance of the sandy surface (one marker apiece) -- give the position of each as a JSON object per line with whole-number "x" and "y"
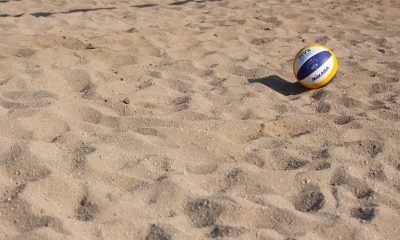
{"x": 181, "y": 120}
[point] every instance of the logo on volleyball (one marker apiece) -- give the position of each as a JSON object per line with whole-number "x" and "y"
{"x": 312, "y": 64}
{"x": 315, "y": 66}
{"x": 305, "y": 54}
{"x": 322, "y": 73}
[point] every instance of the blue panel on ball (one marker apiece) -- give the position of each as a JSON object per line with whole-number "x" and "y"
{"x": 313, "y": 64}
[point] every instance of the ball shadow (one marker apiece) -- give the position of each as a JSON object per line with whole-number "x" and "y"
{"x": 280, "y": 85}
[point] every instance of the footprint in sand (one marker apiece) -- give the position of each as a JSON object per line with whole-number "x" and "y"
{"x": 289, "y": 162}
{"x": 79, "y": 156}
{"x": 224, "y": 231}
{"x": 22, "y": 166}
{"x": 87, "y": 210}
{"x": 157, "y": 233}
{"x": 203, "y": 212}
{"x": 27, "y": 99}
{"x": 80, "y": 81}
{"x": 309, "y": 199}
{"x": 365, "y": 214}
{"x": 19, "y": 212}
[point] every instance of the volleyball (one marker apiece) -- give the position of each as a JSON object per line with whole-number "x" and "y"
{"x": 315, "y": 66}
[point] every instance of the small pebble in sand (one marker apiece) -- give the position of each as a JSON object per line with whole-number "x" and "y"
{"x": 90, "y": 46}
{"x": 126, "y": 101}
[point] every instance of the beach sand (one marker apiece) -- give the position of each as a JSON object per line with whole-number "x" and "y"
{"x": 182, "y": 120}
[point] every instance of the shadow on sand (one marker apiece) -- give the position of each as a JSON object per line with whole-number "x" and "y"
{"x": 280, "y": 85}
{"x": 84, "y": 10}
{"x": 78, "y": 10}
{"x": 146, "y": 5}
{"x": 177, "y": 3}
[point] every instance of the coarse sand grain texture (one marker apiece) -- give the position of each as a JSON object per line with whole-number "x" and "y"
{"x": 165, "y": 120}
